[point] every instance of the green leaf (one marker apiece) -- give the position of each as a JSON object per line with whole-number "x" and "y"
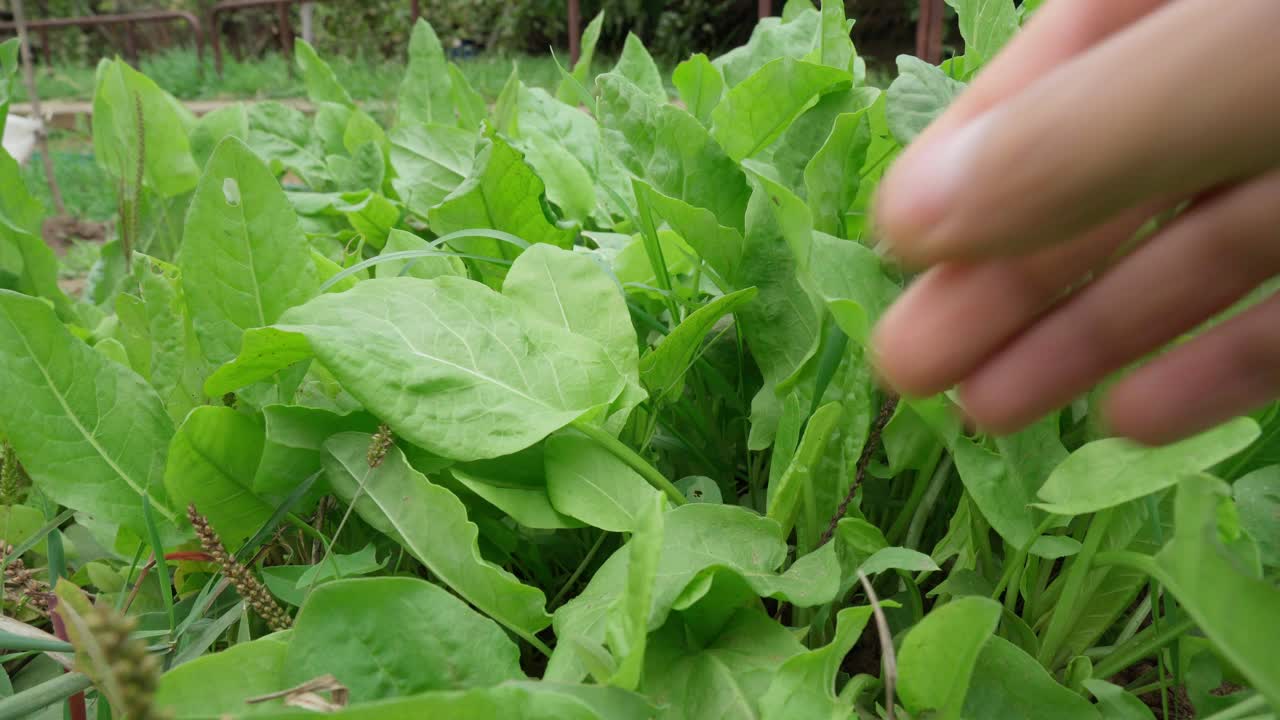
{"x": 898, "y": 558}
{"x": 1116, "y": 704}
{"x": 263, "y": 353}
{"x": 430, "y": 161}
{"x": 8, "y": 73}
{"x": 23, "y": 251}
{"x": 214, "y": 127}
{"x": 1008, "y": 683}
{"x": 424, "y": 267}
{"x": 636, "y": 65}
{"x": 284, "y": 137}
{"x": 122, "y": 93}
{"x": 219, "y": 683}
{"x": 721, "y": 247}
{"x": 834, "y": 47}
{"x": 700, "y": 86}
{"x": 662, "y": 370}
{"x": 502, "y": 193}
{"x": 1227, "y": 600}
{"x": 587, "y": 482}
{"x": 451, "y": 647}
{"x": 509, "y": 701}
{"x": 432, "y": 525}
{"x": 1258, "y": 499}
{"x": 986, "y": 26}
{"x": 804, "y": 685}
{"x": 1106, "y": 473}
{"x": 587, "y": 53}
{"x": 425, "y": 93}
{"x": 453, "y": 366}
{"x": 671, "y": 150}
{"x": 918, "y": 95}
{"x": 756, "y": 112}
{"x": 833, "y": 177}
{"x": 212, "y": 462}
{"x": 724, "y": 678}
{"x": 627, "y": 630}
{"x": 939, "y": 655}
{"x": 771, "y": 39}
{"x": 797, "y": 482}
{"x": 322, "y": 84}
{"x": 528, "y": 505}
{"x": 244, "y": 258}
{"x": 1052, "y": 547}
{"x": 91, "y": 433}
{"x": 469, "y": 104}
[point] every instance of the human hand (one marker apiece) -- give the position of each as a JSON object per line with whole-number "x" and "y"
{"x": 1094, "y": 119}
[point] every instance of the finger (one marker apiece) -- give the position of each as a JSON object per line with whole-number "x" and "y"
{"x": 1161, "y": 108}
{"x": 1230, "y": 370}
{"x": 1058, "y": 31}
{"x": 1197, "y": 266}
{"x": 955, "y": 316}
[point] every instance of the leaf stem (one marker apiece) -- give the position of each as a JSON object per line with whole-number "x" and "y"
{"x": 619, "y": 450}
{"x": 577, "y": 572}
{"x": 28, "y": 702}
{"x": 1142, "y": 646}
{"x": 1068, "y": 609}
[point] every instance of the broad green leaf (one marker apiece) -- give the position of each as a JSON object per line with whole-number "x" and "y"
{"x": 212, "y": 462}
{"x": 509, "y": 701}
{"x": 662, "y": 370}
{"x": 834, "y": 47}
{"x": 1258, "y": 500}
{"x": 721, "y": 247}
{"x": 502, "y": 193}
{"x": 700, "y": 86}
{"x": 587, "y": 482}
{"x": 985, "y": 25}
{"x": 918, "y": 95}
{"x": 804, "y": 686}
{"x": 755, "y": 113}
{"x": 832, "y": 178}
{"x": 425, "y": 92}
{"x": 450, "y": 646}
{"x": 430, "y": 161}
{"x": 244, "y": 258}
{"x": 898, "y": 558}
{"x": 1003, "y": 485}
{"x": 636, "y": 65}
{"x": 529, "y": 505}
{"x": 1052, "y": 547}
{"x": 1106, "y": 473}
{"x": 701, "y": 542}
{"x": 293, "y": 449}
{"x": 214, "y": 127}
{"x": 218, "y": 684}
{"x": 19, "y": 523}
{"x": 670, "y": 149}
{"x": 122, "y": 93}
{"x": 432, "y": 525}
{"x": 587, "y": 53}
{"x": 322, "y": 85}
{"x": 91, "y": 433}
{"x": 23, "y": 252}
{"x": 284, "y": 138}
{"x": 1008, "y": 683}
{"x": 723, "y": 679}
{"x": 454, "y": 367}
{"x": 1231, "y": 605}
{"x": 8, "y": 73}
{"x": 806, "y": 135}
{"x": 628, "y": 626}
{"x": 573, "y": 291}
{"x": 771, "y": 39}
{"x": 426, "y": 267}
{"x": 795, "y": 486}
{"x": 469, "y": 104}
{"x": 361, "y": 562}
{"x": 1116, "y": 704}
{"x": 568, "y": 183}
{"x": 939, "y": 656}
{"x": 263, "y": 353}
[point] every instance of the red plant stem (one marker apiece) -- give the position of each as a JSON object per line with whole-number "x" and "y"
{"x": 189, "y": 556}
{"x": 75, "y": 702}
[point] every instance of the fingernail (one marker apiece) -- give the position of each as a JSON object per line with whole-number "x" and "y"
{"x": 924, "y": 185}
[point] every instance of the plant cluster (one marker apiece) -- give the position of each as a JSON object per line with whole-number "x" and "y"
{"x": 562, "y": 408}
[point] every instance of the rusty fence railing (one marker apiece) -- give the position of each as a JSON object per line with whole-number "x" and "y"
{"x": 129, "y": 22}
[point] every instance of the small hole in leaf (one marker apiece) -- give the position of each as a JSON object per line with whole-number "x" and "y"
{"x": 697, "y": 494}
{"x": 231, "y": 191}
